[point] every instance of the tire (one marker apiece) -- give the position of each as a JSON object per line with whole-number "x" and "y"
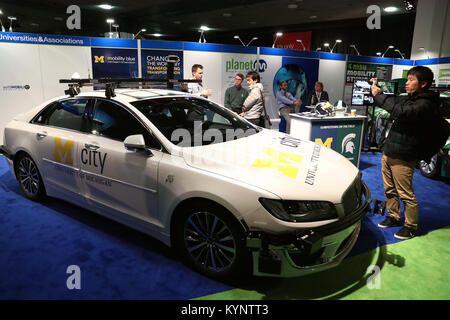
{"x": 211, "y": 241}
{"x": 431, "y": 169}
{"x": 30, "y": 180}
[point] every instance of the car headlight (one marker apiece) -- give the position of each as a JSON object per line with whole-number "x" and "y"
{"x": 300, "y": 211}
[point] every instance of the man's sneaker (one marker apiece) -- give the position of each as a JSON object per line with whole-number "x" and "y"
{"x": 405, "y": 233}
{"x": 389, "y": 222}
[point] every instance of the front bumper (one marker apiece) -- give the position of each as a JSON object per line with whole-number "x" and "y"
{"x": 309, "y": 250}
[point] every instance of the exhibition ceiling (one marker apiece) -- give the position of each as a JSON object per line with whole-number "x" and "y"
{"x": 181, "y": 19}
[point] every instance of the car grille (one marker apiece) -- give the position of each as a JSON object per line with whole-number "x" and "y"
{"x": 353, "y": 197}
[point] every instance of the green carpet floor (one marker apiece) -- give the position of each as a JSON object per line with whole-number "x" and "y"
{"x": 418, "y": 268}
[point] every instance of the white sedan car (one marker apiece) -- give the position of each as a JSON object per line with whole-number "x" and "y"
{"x": 227, "y": 195}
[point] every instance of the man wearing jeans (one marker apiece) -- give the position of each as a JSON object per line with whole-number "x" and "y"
{"x": 286, "y": 101}
{"x": 414, "y": 116}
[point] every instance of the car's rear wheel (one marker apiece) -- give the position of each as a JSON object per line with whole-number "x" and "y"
{"x": 29, "y": 178}
{"x": 211, "y": 241}
{"x": 431, "y": 169}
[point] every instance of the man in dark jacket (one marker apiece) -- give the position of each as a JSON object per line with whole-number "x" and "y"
{"x": 236, "y": 95}
{"x": 413, "y": 118}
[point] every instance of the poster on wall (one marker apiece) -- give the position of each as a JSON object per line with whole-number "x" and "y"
{"x": 114, "y": 63}
{"x": 366, "y": 71}
{"x": 233, "y": 64}
{"x": 443, "y": 75}
{"x": 300, "y": 75}
{"x": 289, "y": 41}
{"x": 154, "y": 64}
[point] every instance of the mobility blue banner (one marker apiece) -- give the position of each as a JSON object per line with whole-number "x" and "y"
{"x": 114, "y": 63}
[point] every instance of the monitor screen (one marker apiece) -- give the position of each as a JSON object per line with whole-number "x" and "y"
{"x": 388, "y": 87}
{"x": 361, "y": 93}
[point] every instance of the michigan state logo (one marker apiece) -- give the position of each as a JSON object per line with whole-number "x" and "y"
{"x": 348, "y": 146}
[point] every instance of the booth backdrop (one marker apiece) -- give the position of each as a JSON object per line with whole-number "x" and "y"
{"x": 32, "y": 64}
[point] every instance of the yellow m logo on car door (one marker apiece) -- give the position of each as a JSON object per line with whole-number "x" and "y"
{"x": 280, "y": 161}
{"x": 64, "y": 151}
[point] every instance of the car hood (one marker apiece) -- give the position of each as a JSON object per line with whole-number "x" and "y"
{"x": 288, "y": 167}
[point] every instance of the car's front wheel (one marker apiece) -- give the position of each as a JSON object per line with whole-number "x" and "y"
{"x": 29, "y": 178}
{"x": 211, "y": 241}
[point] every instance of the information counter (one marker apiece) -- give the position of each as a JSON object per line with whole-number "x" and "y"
{"x": 343, "y": 133}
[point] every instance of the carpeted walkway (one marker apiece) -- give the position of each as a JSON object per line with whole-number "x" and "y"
{"x": 39, "y": 241}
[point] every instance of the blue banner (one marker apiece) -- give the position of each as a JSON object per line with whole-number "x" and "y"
{"x": 30, "y": 38}
{"x": 154, "y": 64}
{"x": 300, "y": 75}
{"x": 114, "y": 63}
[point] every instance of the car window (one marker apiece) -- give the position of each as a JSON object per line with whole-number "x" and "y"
{"x": 69, "y": 114}
{"x": 113, "y": 121}
{"x": 179, "y": 119}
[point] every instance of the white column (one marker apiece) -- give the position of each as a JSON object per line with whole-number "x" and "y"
{"x": 431, "y": 29}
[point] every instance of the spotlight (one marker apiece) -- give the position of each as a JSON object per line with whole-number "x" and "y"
{"x": 253, "y": 39}
{"x": 202, "y": 31}
{"x": 326, "y": 44}
{"x": 301, "y": 42}
{"x": 354, "y": 47}
{"x": 278, "y": 34}
{"x": 11, "y": 19}
{"x": 337, "y": 41}
{"x": 237, "y": 37}
{"x": 142, "y": 30}
{"x": 401, "y": 55}
{"x": 390, "y": 47}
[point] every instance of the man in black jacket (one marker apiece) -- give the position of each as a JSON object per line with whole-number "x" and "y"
{"x": 414, "y": 116}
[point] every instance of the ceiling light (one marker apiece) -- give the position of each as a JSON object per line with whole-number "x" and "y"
{"x": 204, "y": 28}
{"x": 390, "y": 9}
{"x": 292, "y": 6}
{"x": 177, "y": 22}
{"x": 227, "y": 14}
{"x": 157, "y": 35}
{"x": 313, "y": 17}
{"x": 58, "y": 18}
{"x": 105, "y": 6}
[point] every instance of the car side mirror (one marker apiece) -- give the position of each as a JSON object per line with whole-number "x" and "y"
{"x": 136, "y": 143}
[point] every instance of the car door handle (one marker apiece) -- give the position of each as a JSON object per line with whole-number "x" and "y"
{"x": 41, "y": 135}
{"x": 91, "y": 146}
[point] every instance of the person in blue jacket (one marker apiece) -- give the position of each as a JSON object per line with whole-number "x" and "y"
{"x": 286, "y": 104}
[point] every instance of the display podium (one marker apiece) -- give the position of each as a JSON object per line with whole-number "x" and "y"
{"x": 342, "y": 133}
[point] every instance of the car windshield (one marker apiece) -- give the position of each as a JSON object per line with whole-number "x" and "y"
{"x": 190, "y": 121}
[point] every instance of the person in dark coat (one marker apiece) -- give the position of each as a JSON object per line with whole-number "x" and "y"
{"x": 413, "y": 118}
{"x": 317, "y": 95}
